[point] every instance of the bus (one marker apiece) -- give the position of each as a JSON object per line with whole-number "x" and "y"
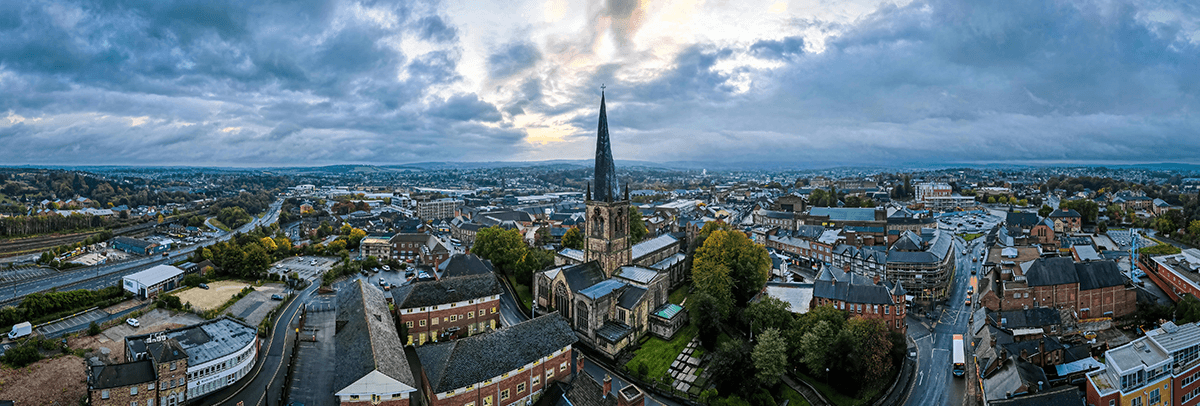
{"x": 959, "y": 356}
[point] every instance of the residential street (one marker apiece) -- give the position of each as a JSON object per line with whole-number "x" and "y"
{"x": 935, "y": 384}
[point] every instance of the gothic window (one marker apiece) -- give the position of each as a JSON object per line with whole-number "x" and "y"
{"x": 581, "y": 316}
{"x": 561, "y": 300}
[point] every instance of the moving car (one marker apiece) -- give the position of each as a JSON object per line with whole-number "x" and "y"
{"x": 133, "y": 322}
{"x": 276, "y": 297}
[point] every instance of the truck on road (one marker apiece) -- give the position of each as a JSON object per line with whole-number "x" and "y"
{"x": 20, "y": 330}
{"x": 959, "y": 356}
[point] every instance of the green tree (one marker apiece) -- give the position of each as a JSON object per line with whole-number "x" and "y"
{"x": 729, "y": 365}
{"x": 991, "y": 199}
{"x": 268, "y": 244}
{"x": 503, "y": 247}
{"x": 370, "y": 262}
{"x": 769, "y": 313}
{"x": 93, "y": 329}
{"x": 871, "y": 347}
{"x": 1045, "y": 210}
{"x": 814, "y": 345}
{"x": 709, "y": 325}
{"x": 637, "y": 227}
{"x": 573, "y": 239}
{"x": 731, "y": 268}
{"x": 770, "y": 357}
{"x": 1187, "y": 310}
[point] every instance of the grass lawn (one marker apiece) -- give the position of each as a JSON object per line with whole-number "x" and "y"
{"x": 678, "y": 295}
{"x": 523, "y": 292}
{"x": 793, "y": 397}
{"x": 971, "y": 236}
{"x": 837, "y": 397}
{"x": 220, "y": 225}
{"x": 658, "y": 355}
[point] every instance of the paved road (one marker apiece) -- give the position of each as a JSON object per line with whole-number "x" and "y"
{"x": 271, "y": 367}
{"x": 510, "y": 313}
{"x": 107, "y": 275}
{"x": 935, "y": 385}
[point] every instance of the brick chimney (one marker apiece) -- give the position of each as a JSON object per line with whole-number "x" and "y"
{"x": 607, "y": 385}
{"x": 876, "y": 279}
{"x": 631, "y": 396}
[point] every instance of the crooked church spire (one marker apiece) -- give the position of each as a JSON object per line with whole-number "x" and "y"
{"x": 607, "y": 187}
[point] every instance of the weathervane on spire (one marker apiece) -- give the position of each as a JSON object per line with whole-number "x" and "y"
{"x": 601, "y": 87}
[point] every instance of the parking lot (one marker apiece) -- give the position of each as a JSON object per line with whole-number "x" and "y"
{"x": 23, "y": 273}
{"x": 968, "y": 222}
{"x": 255, "y": 306}
{"x": 304, "y": 266}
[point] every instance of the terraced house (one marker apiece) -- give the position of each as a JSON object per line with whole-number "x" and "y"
{"x": 510, "y": 366}
{"x": 449, "y": 308}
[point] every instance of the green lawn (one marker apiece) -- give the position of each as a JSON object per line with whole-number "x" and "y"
{"x": 220, "y": 225}
{"x": 837, "y": 397}
{"x": 658, "y": 354}
{"x": 523, "y": 292}
{"x": 971, "y": 236}
{"x": 678, "y": 295}
{"x": 793, "y": 397}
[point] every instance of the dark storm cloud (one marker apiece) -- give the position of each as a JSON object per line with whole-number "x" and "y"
{"x": 935, "y": 80}
{"x": 232, "y": 82}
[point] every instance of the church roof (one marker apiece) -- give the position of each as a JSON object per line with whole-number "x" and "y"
{"x": 607, "y": 187}
{"x": 582, "y": 276}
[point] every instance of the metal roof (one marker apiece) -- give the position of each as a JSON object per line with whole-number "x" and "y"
{"x": 844, "y": 213}
{"x": 798, "y": 296}
{"x": 648, "y": 247}
{"x": 1176, "y": 337}
{"x": 636, "y": 274}
{"x": 603, "y": 288}
{"x": 155, "y": 275}
{"x": 668, "y": 310}
{"x": 572, "y": 253}
{"x": 203, "y": 342}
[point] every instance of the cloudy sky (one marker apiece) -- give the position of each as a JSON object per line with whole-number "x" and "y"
{"x": 252, "y": 83}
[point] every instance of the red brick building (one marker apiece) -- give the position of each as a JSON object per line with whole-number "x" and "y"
{"x": 862, "y": 297}
{"x": 421, "y": 249}
{"x": 1092, "y": 289}
{"x": 1175, "y": 274}
{"x": 449, "y": 308}
{"x": 506, "y": 367}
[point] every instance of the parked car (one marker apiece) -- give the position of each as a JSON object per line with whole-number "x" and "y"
{"x": 386, "y": 268}
{"x": 276, "y": 297}
{"x": 133, "y": 322}
{"x": 203, "y": 286}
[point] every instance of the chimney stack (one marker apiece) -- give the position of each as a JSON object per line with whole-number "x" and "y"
{"x": 631, "y": 396}
{"x": 607, "y": 385}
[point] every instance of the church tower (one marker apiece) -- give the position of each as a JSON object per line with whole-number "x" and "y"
{"x": 607, "y": 227}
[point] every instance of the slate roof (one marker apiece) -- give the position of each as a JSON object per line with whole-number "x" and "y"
{"x": 1026, "y": 318}
{"x": 1062, "y": 395}
{"x": 614, "y": 331}
{"x": 1010, "y": 377}
{"x": 583, "y": 275}
{"x": 648, "y": 247}
{"x": 630, "y": 297}
{"x": 467, "y": 264}
{"x": 606, "y": 188}
{"x": 844, "y": 213}
{"x": 467, "y": 361}
{"x": 1031, "y": 346}
{"x": 1063, "y": 213}
{"x": 445, "y": 290}
{"x": 119, "y": 375}
{"x": 850, "y": 288}
{"x": 1064, "y": 270}
{"x": 585, "y": 391}
{"x": 366, "y": 339}
{"x": 166, "y": 351}
{"x": 1023, "y": 220}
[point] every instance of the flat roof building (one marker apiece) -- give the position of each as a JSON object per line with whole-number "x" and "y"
{"x": 149, "y": 283}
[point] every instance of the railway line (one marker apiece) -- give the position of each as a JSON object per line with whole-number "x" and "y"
{"x": 29, "y": 245}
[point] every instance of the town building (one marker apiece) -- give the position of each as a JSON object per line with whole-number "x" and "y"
{"x": 378, "y": 246}
{"x": 437, "y": 209}
{"x": 1158, "y": 369}
{"x": 928, "y": 190}
{"x": 137, "y": 246}
{"x": 585, "y": 391}
{"x": 1091, "y": 289}
{"x": 194, "y": 361}
{"x": 1176, "y": 274}
{"x": 509, "y": 366}
{"x": 159, "y": 378}
{"x": 149, "y": 283}
{"x": 419, "y": 248}
{"x": 1066, "y": 221}
{"x": 448, "y": 308}
{"x": 861, "y": 296}
{"x": 922, "y": 262}
{"x": 465, "y": 265}
{"x": 372, "y": 368}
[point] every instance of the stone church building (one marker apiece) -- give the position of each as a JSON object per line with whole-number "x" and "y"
{"x": 606, "y": 299}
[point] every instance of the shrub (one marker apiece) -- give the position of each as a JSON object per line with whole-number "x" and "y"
{"x": 93, "y": 329}
{"x": 21, "y": 356}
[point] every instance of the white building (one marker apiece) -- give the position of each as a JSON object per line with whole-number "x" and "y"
{"x": 219, "y": 352}
{"x": 149, "y": 283}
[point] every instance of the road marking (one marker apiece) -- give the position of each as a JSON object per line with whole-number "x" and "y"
{"x": 920, "y": 378}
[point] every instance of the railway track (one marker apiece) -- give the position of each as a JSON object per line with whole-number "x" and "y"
{"x": 28, "y": 245}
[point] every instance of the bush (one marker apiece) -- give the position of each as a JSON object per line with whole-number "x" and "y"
{"x": 93, "y": 329}
{"x": 194, "y": 280}
{"x": 171, "y": 302}
{"x": 21, "y": 356}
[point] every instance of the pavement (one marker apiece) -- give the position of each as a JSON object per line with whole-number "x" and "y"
{"x": 934, "y": 384}
{"x": 312, "y": 380}
{"x": 510, "y": 312}
{"x": 97, "y": 277}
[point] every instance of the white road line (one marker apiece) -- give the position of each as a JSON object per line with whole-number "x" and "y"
{"x": 920, "y": 378}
